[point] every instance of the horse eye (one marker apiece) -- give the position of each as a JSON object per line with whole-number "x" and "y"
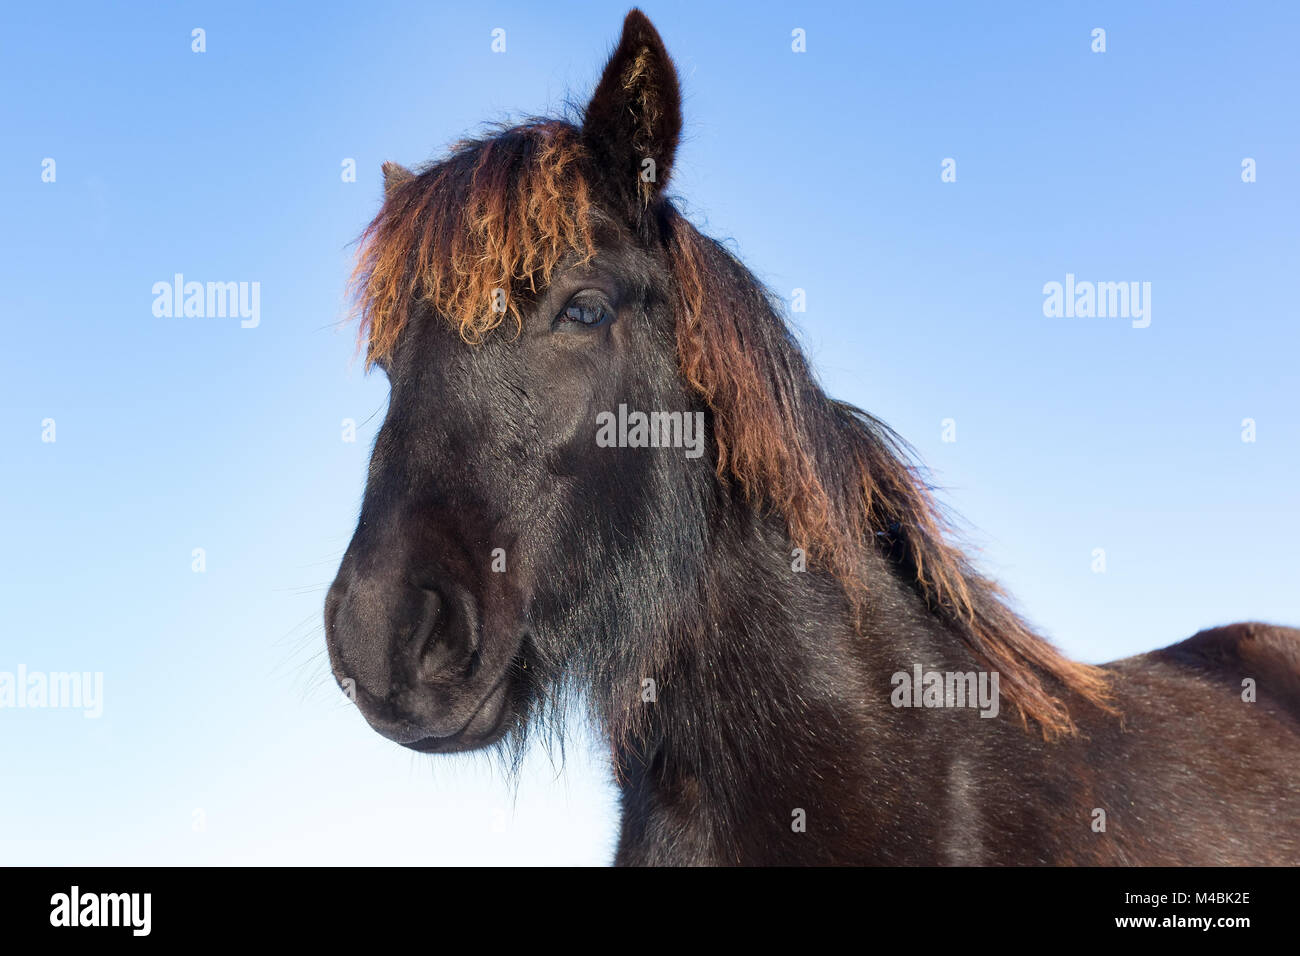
{"x": 588, "y": 314}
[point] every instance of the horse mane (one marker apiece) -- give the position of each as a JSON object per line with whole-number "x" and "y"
{"x": 844, "y": 480}
{"x": 472, "y": 235}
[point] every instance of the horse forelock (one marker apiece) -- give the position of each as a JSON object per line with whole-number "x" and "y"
{"x": 471, "y": 234}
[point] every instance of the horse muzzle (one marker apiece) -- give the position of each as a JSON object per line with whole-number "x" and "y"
{"x": 430, "y": 662}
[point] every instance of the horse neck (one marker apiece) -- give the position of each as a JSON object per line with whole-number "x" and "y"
{"x": 774, "y": 703}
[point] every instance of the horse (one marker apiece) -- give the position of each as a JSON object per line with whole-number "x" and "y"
{"x": 607, "y": 473}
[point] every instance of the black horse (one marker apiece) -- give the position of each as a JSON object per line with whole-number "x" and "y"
{"x": 607, "y": 469}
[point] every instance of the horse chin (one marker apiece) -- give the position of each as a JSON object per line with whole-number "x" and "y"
{"x": 487, "y": 724}
{"x": 451, "y": 717}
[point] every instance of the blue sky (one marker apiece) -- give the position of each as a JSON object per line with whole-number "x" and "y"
{"x": 222, "y": 739}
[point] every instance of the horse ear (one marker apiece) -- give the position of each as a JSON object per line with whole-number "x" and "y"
{"x": 632, "y": 124}
{"x": 394, "y": 176}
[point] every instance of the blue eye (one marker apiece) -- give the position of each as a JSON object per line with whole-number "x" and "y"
{"x": 589, "y": 314}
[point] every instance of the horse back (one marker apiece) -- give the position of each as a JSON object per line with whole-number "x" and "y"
{"x": 1263, "y": 660}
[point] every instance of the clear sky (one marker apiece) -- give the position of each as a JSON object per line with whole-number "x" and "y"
{"x": 222, "y": 738}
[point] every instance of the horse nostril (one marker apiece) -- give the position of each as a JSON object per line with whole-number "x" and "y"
{"x": 444, "y": 643}
{"x": 431, "y": 614}
{"x": 423, "y": 581}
